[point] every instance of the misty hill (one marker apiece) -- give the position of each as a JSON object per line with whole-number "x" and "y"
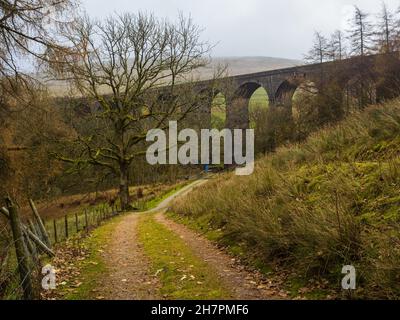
{"x": 243, "y": 65}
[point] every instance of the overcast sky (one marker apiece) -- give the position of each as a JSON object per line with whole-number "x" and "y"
{"x": 275, "y": 28}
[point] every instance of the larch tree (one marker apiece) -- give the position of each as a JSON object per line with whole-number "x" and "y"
{"x": 319, "y": 50}
{"x": 337, "y": 49}
{"x": 386, "y": 31}
{"x": 361, "y": 33}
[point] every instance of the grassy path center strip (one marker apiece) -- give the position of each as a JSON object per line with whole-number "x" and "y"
{"x": 182, "y": 274}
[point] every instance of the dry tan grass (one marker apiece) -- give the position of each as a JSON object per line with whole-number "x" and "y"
{"x": 315, "y": 207}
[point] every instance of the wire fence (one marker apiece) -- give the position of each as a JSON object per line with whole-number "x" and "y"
{"x": 63, "y": 228}
{"x": 24, "y": 245}
{"x": 8, "y": 271}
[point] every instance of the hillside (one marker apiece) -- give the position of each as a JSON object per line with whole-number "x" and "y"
{"x": 316, "y": 207}
{"x": 244, "y": 65}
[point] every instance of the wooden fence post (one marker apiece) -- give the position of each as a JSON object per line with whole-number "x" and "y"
{"x": 55, "y": 231}
{"x": 34, "y": 228}
{"x": 76, "y": 222}
{"x": 86, "y": 221}
{"x": 31, "y": 248}
{"x": 39, "y": 243}
{"x": 66, "y": 226}
{"x": 21, "y": 252}
{"x": 40, "y": 223}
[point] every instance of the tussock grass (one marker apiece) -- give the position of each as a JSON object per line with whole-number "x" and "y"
{"x": 182, "y": 274}
{"x": 314, "y": 207}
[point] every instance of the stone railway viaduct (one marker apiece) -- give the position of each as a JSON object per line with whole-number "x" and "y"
{"x": 280, "y": 86}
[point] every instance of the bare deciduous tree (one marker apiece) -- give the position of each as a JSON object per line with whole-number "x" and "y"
{"x": 137, "y": 71}
{"x": 25, "y": 28}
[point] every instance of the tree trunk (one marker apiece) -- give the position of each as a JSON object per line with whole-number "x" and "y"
{"x": 124, "y": 186}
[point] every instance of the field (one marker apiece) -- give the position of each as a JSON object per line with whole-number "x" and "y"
{"x": 218, "y": 111}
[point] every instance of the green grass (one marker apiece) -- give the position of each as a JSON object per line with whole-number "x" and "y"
{"x": 94, "y": 215}
{"x": 218, "y": 112}
{"x": 182, "y": 274}
{"x": 201, "y": 225}
{"x": 218, "y": 119}
{"x": 154, "y": 202}
{"x": 258, "y": 100}
{"x": 295, "y": 285}
{"x": 12, "y": 287}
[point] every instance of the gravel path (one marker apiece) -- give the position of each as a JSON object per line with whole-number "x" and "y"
{"x": 128, "y": 277}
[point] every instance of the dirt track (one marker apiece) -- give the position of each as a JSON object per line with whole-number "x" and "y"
{"x": 129, "y": 274}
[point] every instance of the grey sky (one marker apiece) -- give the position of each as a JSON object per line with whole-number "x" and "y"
{"x": 276, "y": 28}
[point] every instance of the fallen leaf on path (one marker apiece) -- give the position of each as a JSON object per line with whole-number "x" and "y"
{"x": 158, "y": 272}
{"x": 77, "y": 285}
